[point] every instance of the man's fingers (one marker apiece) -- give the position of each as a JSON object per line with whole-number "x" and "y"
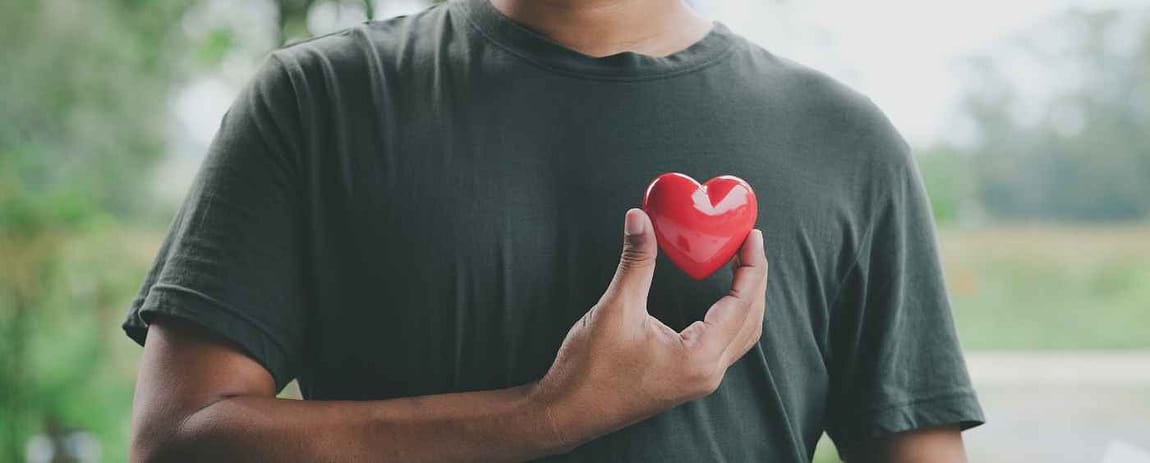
{"x": 724, "y": 322}
{"x": 736, "y": 261}
{"x": 632, "y": 279}
{"x": 751, "y": 274}
{"x": 753, "y": 326}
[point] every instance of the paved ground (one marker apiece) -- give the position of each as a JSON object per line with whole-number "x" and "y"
{"x": 1057, "y": 407}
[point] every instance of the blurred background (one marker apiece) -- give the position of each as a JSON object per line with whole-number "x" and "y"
{"x": 1030, "y": 119}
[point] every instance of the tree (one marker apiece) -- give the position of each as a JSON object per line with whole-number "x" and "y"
{"x": 81, "y": 88}
{"x": 1083, "y": 151}
{"x": 293, "y": 16}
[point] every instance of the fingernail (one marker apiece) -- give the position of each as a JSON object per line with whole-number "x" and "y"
{"x": 633, "y": 225}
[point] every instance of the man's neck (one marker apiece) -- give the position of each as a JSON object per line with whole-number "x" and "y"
{"x": 606, "y": 27}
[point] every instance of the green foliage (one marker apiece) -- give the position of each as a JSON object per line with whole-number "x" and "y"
{"x": 83, "y": 95}
{"x": 215, "y": 47}
{"x": 293, "y": 19}
{"x": 82, "y": 367}
{"x": 949, "y": 181}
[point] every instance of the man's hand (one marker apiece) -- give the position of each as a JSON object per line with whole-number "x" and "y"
{"x": 619, "y": 365}
{"x": 200, "y": 398}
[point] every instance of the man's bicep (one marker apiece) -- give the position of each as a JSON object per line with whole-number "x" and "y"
{"x": 928, "y": 445}
{"x": 185, "y": 368}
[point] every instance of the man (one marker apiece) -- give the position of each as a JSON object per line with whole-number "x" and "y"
{"x": 417, "y": 218}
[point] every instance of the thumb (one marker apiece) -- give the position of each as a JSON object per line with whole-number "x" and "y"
{"x": 637, "y": 263}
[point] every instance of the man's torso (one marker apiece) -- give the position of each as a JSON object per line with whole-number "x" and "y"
{"x": 464, "y": 206}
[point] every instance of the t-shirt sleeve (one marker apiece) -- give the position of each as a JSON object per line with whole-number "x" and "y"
{"x": 233, "y": 258}
{"x": 895, "y": 362}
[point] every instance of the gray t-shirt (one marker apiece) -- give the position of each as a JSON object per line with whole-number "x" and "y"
{"x": 426, "y": 204}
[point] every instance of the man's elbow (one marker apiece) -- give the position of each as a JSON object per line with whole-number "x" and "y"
{"x": 153, "y": 447}
{"x": 158, "y": 443}
{"x": 167, "y": 439}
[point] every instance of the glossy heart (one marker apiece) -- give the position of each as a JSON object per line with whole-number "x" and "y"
{"x": 700, "y": 227}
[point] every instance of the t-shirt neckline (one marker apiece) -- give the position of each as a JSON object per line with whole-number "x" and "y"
{"x": 552, "y": 55}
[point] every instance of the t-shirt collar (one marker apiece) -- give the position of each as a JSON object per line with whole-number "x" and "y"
{"x": 552, "y": 55}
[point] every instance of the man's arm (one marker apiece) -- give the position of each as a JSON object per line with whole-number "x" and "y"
{"x": 200, "y": 399}
{"x": 929, "y": 445}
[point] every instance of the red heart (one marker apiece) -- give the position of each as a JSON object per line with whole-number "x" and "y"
{"x": 700, "y": 227}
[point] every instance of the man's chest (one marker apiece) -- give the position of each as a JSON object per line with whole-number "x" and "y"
{"x": 453, "y": 250}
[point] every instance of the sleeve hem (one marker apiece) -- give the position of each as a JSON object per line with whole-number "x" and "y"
{"x": 251, "y": 337}
{"x": 960, "y": 409}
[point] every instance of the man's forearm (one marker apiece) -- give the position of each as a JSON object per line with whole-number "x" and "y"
{"x": 200, "y": 397}
{"x": 492, "y": 426}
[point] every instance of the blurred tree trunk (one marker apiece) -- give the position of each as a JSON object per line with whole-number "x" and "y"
{"x": 29, "y": 255}
{"x": 293, "y": 17}
{"x": 369, "y": 8}
{"x": 14, "y": 329}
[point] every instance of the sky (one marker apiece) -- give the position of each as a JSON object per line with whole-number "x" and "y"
{"x": 906, "y": 55}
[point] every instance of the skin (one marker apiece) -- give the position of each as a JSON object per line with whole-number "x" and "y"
{"x": 606, "y": 27}
{"x": 929, "y": 445}
{"x": 200, "y": 398}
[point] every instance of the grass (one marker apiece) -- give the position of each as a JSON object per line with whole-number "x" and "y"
{"x": 1035, "y": 287}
